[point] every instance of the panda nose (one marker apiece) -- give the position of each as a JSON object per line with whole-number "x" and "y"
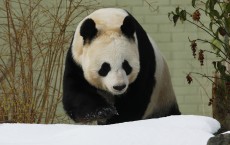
{"x": 119, "y": 88}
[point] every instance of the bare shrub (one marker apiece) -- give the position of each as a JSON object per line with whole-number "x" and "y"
{"x": 34, "y": 36}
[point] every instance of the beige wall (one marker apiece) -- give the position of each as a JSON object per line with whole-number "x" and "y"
{"x": 174, "y": 44}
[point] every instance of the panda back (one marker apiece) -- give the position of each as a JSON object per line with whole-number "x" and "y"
{"x": 163, "y": 100}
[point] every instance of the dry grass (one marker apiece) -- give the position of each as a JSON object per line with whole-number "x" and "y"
{"x": 34, "y": 37}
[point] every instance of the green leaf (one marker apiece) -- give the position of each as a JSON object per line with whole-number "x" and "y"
{"x": 227, "y": 77}
{"x": 216, "y": 44}
{"x": 183, "y": 15}
{"x": 222, "y": 15}
{"x": 219, "y": 22}
{"x": 216, "y": 34}
{"x": 221, "y": 68}
{"x": 215, "y": 65}
{"x": 177, "y": 10}
{"x": 207, "y": 7}
{"x": 215, "y": 13}
{"x": 170, "y": 15}
{"x": 194, "y": 3}
{"x": 210, "y": 26}
{"x": 212, "y": 4}
{"x": 175, "y": 19}
{"x": 227, "y": 7}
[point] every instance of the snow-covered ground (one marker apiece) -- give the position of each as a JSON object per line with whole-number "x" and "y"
{"x": 173, "y": 130}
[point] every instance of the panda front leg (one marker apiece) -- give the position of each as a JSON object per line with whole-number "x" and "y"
{"x": 85, "y": 107}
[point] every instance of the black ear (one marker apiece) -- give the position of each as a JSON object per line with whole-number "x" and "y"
{"x": 88, "y": 30}
{"x": 128, "y": 27}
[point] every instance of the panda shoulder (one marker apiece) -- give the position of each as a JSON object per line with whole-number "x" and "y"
{"x": 160, "y": 60}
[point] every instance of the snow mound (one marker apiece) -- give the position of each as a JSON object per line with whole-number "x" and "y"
{"x": 172, "y": 130}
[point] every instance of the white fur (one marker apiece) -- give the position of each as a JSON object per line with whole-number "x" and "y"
{"x": 114, "y": 52}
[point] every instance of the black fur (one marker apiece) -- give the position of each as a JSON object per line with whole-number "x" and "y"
{"x": 88, "y": 30}
{"x": 104, "y": 70}
{"x": 127, "y": 67}
{"x": 128, "y": 27}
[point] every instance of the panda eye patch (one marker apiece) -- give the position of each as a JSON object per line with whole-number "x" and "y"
{"x": 104, "y": 70}
{"x": 127, "y": 67}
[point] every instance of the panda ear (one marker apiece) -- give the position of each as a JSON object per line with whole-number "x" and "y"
{"x": 128, "y": 27}
{"x": 88, "y": 30}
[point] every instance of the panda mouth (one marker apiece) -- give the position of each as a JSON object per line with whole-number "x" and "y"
{"x": 118, "y": 92}
{"x": 119, "y": 88}
{"x": 116, "y": 89}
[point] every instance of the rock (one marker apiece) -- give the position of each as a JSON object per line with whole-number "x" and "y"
{"x": 221, "y": 139}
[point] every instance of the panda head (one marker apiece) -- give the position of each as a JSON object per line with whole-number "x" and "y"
{"x": 107, "y": 52}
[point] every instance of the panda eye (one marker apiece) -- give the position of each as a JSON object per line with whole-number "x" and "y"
{"x": 104, "y": 70}
{"x": 127, "y": 67}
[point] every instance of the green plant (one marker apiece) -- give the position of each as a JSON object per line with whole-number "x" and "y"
{"x": 34, "y": 36}
{"x": 218, "y": 28}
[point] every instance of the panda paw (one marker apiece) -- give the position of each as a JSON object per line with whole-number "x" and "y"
{"x": 106, "y": 112}
{"x": 100, "y": 114}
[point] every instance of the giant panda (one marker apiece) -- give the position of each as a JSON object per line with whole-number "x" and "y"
{"x": 114, "y": 72}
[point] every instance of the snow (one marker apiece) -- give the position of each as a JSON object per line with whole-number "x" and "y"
{"x": 227, "y": 132}
{"x": 172, "y": 130}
